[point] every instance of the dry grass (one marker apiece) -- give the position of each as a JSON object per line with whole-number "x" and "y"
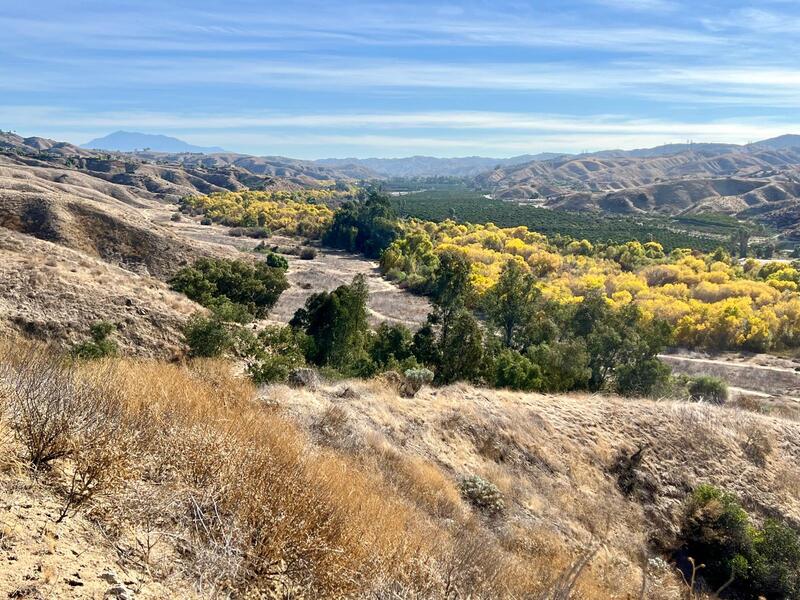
{"x": 352, "y": 491}
{"x": 238, "y": 498}
{"x": 60, "y": 305}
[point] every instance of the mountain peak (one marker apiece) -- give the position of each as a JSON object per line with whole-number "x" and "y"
{"x": 130, "y": 141}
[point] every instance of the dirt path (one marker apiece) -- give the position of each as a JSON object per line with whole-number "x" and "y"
{"x": 330, "y": 269}
{"x": 747, "y": 373}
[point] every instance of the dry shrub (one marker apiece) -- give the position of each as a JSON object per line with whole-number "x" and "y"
{"x": 260, "y": 506}
{"x": 756, "y": 445}
{"x": 54, "y": 413}
{"x": 332, "y": 425}
{"x": 70, "y": 426}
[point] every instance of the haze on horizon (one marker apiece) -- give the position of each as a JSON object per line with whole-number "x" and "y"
{"x": 361, "y": 79}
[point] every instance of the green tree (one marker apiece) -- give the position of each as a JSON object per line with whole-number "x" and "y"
{"x": 252, "y": 287}
{"x": 620, "y": 345}
{"x": 425, "y": 346}
{"x": 740, "y": 240}
{"x": 451, "y": 291}
{"x": 391, "y": 345}
{"x": 367, "y": 225}
{"x": 563, "y": 365}
{"x": 461, "y": 352}
{"x": 336, "y": 325}
{"x": 509, "y": 301}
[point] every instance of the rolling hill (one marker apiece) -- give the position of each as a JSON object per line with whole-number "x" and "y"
{"x": 760, "y": 181}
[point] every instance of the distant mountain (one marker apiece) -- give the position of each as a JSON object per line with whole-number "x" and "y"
{"x": 430, "y": 166}
{"x": 128, "y": 141}
{"x": 668, "y": 150}
{"x": 759, "y": 180}
{"x": 783, "y": 142}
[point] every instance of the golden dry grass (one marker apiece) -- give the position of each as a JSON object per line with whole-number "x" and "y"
{"x": 355, "y": 492}
{"x": 240, "y": 500}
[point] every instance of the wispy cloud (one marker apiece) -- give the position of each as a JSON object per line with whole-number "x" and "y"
{"x": 367, "y": 75}
{"x": 394, "y": 133}
{"x": 641, "y": 5}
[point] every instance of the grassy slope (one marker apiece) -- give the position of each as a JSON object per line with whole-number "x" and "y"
{"x": 355, "y": 489}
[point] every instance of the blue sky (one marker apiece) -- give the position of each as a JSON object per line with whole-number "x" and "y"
{"x": 318, "y": 79}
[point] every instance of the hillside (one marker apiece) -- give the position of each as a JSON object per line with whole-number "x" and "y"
{"x": 331, "y": 489}
{"x": 374, "y": 478}
{"x": 430, "y": 166}
{"x": 171, "y": 173}
{"x": 754, "y": 182}
{"x": 89, "y": 237}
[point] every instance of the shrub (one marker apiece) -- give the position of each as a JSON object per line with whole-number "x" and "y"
{"x": 100, "y": 346}
{"x": 514, "y": 371}
{"x": 708, "y": 389}
{"x": 276, "y": 261}
{"x": 206, "y": 221}
{"x": 53, "y": 413}
{"x": 176, "y": 216}
{"x": 251, "y": 232}
{"x": 753, "y": 561}
{"x": 396, "y": 275}
{"x": 308, "y": 253}
{"x": 206, "y": 337}
{"x": 212, "y": 282}
{"x": 413, "y": 381}
{"x": 641, "y": 378}
{"x": 757, "y": 446}
{"x": 275, "y": 353}
{"x": 482, "y": 494}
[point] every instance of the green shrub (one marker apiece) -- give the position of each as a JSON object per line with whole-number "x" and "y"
{"x": 514, "y": 371}
{"x": 274, "y": 354}
{"x": 206, "y": 221}
{"x": 207, "y": 337}
{"x": 708, "y": 389}
{"x": 718, "y": 533}
{"x": 641, "y": 378}
{"x": 100, "y": 346}
{"x": 308, "y": 253}
{"x": 482, "y": 494}
{"x": 276, "y": 261}
{"x": 216, "y": 283}
{"x": 396, "y": 275}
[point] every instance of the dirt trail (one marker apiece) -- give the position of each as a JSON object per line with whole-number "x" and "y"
{"x": 330, "y": 269}
{"x": 748, "y": 374}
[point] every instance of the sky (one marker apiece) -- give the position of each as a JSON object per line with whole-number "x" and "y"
{"x": 311, "y": 79}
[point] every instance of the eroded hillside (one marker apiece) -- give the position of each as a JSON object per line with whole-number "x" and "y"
{"x": 749, "y": 182}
